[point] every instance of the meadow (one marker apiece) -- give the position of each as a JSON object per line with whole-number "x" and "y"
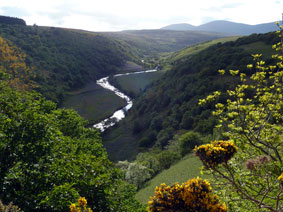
{"x": 137, "y": 83}
{"x": 187, "y": 168}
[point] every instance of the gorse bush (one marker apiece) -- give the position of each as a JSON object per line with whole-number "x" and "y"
{"x": 216, "y": 153}
{"x": 9, "y": 208}
{"x": 81, "y": 206}
{"x": 194, "y": 195}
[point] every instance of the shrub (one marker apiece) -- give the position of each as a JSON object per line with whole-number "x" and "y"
{"x": 194, "y": 195}
{"x": 81, "y": 206}
{"x": 135, "y": 173}
{"x": 215, "y": 153}
{"x": 9, "y": 208}
{"x": 188, "y": 141}
{"x": 166, "y": 158}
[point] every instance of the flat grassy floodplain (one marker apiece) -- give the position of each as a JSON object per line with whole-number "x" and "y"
{"x": 93, "y": 102}
{"x": 188, "y": 167}
{"x": 136, "y": 83}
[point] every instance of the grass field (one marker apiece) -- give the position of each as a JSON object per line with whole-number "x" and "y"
{"x": 199, "y": 47}
{"x": 93, "y": 102}
{"x": 138, "y": 82}
{"x": 187, "y": 168}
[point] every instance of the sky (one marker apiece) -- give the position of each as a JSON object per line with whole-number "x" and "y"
{"x": 117, "y": 15}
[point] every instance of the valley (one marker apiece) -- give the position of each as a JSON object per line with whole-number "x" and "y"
{"x": 111, "y": 115}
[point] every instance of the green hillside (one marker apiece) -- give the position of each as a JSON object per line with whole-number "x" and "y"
{"x": 66, "y": 59}
{"x": 133, "y": 85}
{"x": 187, "y": 168}
{"x": 171, "y": 103}
{"x": 184, "y": 53}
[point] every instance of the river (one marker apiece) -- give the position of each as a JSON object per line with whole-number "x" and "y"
{"x": 119, "y": 114}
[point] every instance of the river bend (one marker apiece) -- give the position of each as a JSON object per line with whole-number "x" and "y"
{"x": 119, "y": 114}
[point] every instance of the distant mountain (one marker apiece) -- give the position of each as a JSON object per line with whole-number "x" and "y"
{"x": 157, "y": 41}
{"x": 227, "y": 27}
{"x": 180, "y": 27}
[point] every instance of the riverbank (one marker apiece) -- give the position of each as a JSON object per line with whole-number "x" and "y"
{"x": 93, "y": 102}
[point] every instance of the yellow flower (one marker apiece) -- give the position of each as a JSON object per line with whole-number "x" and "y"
{"x": 82, "y": 202}
{"x": 215, "y": 153}
{"x": 73, "y": 208}
{"x": 280, "y": 178}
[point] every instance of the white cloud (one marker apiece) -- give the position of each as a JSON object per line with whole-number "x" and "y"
{"x": 98, "y": 15}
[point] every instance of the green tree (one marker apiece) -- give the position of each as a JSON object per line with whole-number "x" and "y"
{"x": 252, "y": 119}
{"x": 135, "y": 173}
{"x": 188, "y": 141}
{"x": 48, "y": 158}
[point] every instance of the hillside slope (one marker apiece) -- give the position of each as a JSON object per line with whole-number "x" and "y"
{"x": 64, "y": 59}
{"x": 171, "y": 104}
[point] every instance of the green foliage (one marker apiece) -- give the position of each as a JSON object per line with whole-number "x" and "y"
{"x": 135, "y": 173}
{"x": 166, "y": 158}
{"x": 48, "y": 158}
{"x": 252, "y": 119}
{"x": 188, "y": 141}
{"x": 149, "y": 160}
{"x": 66, "y": 59}
{"x": 82, "y": 206}
{"x": 64, "y": 193}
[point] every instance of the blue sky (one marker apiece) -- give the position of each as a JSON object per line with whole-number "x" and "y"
{"x": 116, "y": 15}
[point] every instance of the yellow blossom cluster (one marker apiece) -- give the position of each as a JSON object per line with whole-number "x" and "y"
{"x": 280, "y": 178}
{"x": 194, "y": 195}
{"x": 216, "y": 152}
{"x": 82, "y": 206}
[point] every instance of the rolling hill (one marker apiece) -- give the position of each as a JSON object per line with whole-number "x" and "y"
{"x": 226, "y": 27}
{"x": 152, "y": 42}
{"x": 64, "y": 59}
